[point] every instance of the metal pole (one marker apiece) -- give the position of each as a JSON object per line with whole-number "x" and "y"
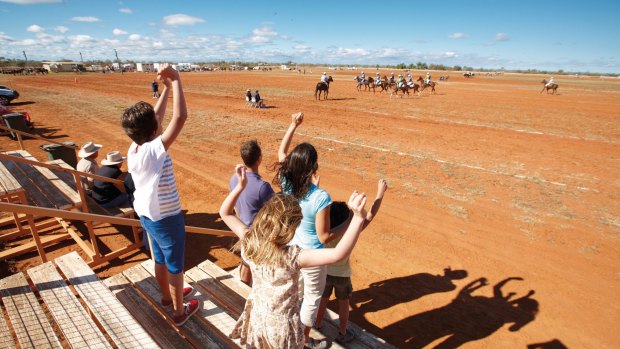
{"x": 118, "y": 61}
{"x": 81, "y": 59}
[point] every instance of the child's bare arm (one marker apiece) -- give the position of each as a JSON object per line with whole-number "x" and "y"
{"x": 179, "y": 111}
{"x": 296, "y": 120}
{"x": 227, "y": 209}
{"x": 162, "y": 102}
{"x": 381, "y": 188}
{"x": 324, "y": 256}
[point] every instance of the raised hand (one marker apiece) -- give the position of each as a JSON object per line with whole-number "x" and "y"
{"x": 297, "y": 118}
{"x": 356, "y": 203}
{"x": 382, "y": 186}
{"x": 241, "y": 175}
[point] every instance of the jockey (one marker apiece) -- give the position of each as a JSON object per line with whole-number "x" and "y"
{"x": 363, "y": 77}
{"x": 550, "y": 82}
{"x": 400, "y": 82}
{"x": 324, "y": 78}
{"x": 428, "y": 78}
{"x": 392, "y": 77}
{"x": 408, "y": 75}
{"x": 378, "y": 79}
{"x": 409, "y": 80}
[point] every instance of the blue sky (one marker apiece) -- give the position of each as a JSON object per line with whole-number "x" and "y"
{"x": 570, "y": 35}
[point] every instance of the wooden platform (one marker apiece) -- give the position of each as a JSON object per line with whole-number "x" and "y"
{"x": 78, "y": 310}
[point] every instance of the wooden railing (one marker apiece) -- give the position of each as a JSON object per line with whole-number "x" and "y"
{"x": 91, "y": 217}
{"x": 22, "y": 133}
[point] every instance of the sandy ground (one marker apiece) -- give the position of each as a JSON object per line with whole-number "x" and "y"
{"x": 488, "y": 177}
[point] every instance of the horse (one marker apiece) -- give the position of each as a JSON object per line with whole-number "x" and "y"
{"x": 424, "y": 85}
{"x": 468, "y": 74}
{"x": 369, "y": 83}
{"x": 322, "y": 87}
{"x": 383, "y": 83}
{"x": 404, "y": 89}
{"x": 552, "y": 87}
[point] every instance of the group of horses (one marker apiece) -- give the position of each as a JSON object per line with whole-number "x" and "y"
{"x": 23, "y": 71}
{"x": 386, "y": 85}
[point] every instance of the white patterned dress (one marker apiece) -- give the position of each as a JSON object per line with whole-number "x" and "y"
{"x": 270, "y": 318}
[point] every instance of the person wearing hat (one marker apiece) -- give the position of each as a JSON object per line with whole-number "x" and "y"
{"x": 400, "y": 82}
{"x": 363, "y": 77}
{"x": 248, "y": 95}
{"x": 392, "y": 77}
{"x": 88, "y": 163}
{"x": 324, "y": 78}
{"x": 155, "y": 89}
{"x": 258, "y": 100}
{"x": 109, "y": 194}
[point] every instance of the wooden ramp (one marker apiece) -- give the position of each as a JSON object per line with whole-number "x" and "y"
{"x": 64, "y": 304}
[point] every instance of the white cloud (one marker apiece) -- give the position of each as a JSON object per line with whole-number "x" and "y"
{"x": 4, "y": 37}
{"x": 85, "y": 19}
{"x": 61, "y": 29}
{"x": 117, "y": 31}
{"x": 264, "y": 31}
{"x": 134, "y": 37}
{"x": 81, "y": 38}
{"x": 501, "y": 37}
{"x": 35, "y": 29}
{"x": 302, "y": 48}
{"x": 457, "y": 36}
{"x": 125, "y": 10}
{"x": 32, "y": 2}
{"x": 259, "y": 39}
{"x": 450, "y": 54}
{"x": 158, "y": 44}
{"x": 181, "y": 19}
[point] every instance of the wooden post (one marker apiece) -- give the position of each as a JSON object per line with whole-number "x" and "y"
{"x": 89, "y": 225}
{"x": 19, "y": 139}
{"x": 37, "y": 239}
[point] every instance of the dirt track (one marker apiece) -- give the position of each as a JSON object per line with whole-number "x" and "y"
{"x": 488, "y": 177}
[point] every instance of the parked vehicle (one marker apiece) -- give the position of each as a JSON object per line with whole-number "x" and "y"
{"x": 7, "y": 95}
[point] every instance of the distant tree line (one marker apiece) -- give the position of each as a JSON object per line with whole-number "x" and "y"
{"x": 11, "y": 62}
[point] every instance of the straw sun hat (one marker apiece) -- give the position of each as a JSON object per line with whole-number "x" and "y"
{"x": 89, "y": 149}
{"x": 113, "y": 158}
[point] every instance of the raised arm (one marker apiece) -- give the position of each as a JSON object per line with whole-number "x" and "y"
{"x": 179, "y": 111}
{"x": 296, "y": 120}
{"x": 324, "y": 256}
{"x": 160, "y": 106}
{"x": 381, "y": 188}
{"x": 227, "y": 209}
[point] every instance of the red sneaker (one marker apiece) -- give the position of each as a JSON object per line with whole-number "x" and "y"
{"x": 189, "y": 309}
{"x": 187, "y": 291}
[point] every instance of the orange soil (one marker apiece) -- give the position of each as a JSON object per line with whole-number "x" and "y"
{"x": 488, "y": 177}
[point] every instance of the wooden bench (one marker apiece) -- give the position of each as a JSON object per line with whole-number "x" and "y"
{"x": 102, "y": 323}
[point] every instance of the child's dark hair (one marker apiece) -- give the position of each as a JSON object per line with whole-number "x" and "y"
{"x": 250, "y": 152}
{"x": 295, "y": 172}
{"x": 139, "y": 122}
{"x": 338, "y": 213}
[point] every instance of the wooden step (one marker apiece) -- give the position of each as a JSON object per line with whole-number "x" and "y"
{"x": 195, "y": 330}
{"x": 6, "y": 340}
{"x": 76, "y": 325}
{"x": 151, "y": 320}
{"x": 31, "y": 326}
{"x": 124, "y": 330}
{"x": 363, "y": 339}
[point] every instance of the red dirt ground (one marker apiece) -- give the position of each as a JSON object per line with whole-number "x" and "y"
{"x": 488, "y": 177}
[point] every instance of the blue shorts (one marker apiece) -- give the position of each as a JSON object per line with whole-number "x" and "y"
{"x": 167, "y": 241}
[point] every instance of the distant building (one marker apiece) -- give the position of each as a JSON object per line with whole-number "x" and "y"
{"x": 145, "y": 67}
{"x": 57, "y": 67}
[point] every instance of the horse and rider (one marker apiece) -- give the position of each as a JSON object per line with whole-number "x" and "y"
{"x": 424, "y": 83}
{"x": 323, "y": 86}
{"x": 366, "y": 82}
{"x": 550, "y": 85}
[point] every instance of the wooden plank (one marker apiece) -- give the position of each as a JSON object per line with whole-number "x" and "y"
{"x": 22, "y": 175}
{"x": 124, "y": 330}
{"x": 9, "y": 183}
{"x": 78, "y": 328}
{"x": 64, "y": 188}
{"x": 200, "y": 335}
{"x": 31, "y": 326}
{"x": 6, "y": 340}
{"x": 161, "y": 331}
{"x": 64, "y": 176}
{"x": 32, "y": 246}
{"x": 213, "y": 311}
